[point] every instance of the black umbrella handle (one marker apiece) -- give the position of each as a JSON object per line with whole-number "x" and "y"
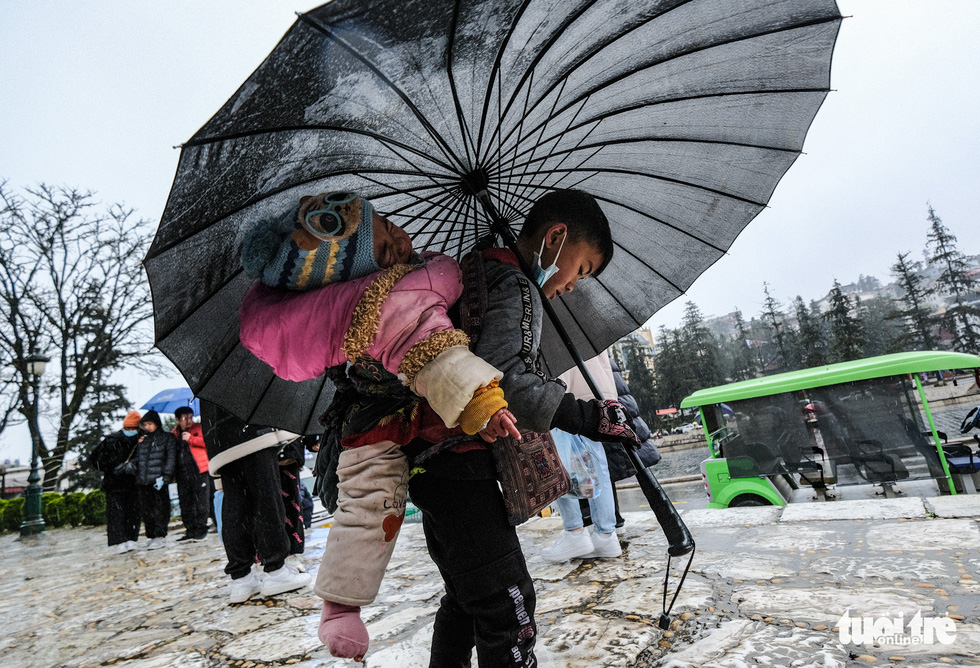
{"x": 679, "y": 538}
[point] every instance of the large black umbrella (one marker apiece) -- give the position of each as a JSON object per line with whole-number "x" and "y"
{"x": 680, "y": 116}
{"x": 453, "y": 116}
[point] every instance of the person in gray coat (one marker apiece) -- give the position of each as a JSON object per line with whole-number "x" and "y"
{"x": 156, "y": 459}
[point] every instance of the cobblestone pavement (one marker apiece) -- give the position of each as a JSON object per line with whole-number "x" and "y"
{"x": 767, "y": 587}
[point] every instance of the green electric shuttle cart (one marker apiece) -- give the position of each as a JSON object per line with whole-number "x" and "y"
{"x": 861, "y": 422}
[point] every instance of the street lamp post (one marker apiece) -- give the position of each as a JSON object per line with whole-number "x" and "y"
{"x": 33, "y": 523}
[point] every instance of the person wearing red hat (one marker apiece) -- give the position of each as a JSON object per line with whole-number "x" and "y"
{"x": 115, "y": 457}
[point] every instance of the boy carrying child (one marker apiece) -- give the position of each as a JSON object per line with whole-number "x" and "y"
{"x": 381, "y": 308}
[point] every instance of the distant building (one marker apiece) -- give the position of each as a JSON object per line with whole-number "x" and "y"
{"x": 641, "y": 341}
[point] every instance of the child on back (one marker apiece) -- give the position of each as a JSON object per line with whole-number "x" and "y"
{"x": 339, "y": 283}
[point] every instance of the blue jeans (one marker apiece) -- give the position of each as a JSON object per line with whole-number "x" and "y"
{"x": 602, "y": 508}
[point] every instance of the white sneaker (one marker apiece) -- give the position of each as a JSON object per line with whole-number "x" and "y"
{"x": 570, "y": 545}
{"x": 122, "y": 548}
{"x": 606, "y": 546}
{"x": 295, "y": 562}
{"x": 283, "y": 580}
{"x": 156, "y": 543}
{"x": 132, "y": 545}
{"x": 244, "y": 588}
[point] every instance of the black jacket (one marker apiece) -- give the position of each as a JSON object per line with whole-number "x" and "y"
{"x": 157, "y": 454}
{"x": 620, "y": 466}
{"x": 112, "y": 451}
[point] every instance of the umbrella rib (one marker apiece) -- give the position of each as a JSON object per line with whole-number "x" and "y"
{"x": 645, "y": 215}
{"x": 176, "y": 242}
{"x": 496, "y": 73}
{"x": 556, "y": 34}
{"x": 520, "y": 125}
{"x": 621, "y": 110}
{"x": 420, "y": 171}
{"x": 658, "y": 177}
{"x": 616, "y": 79}
{"x": 213, "y": 139}
{"x": 437, "y": 203}
{"x": 414, "y": 192}
{"x": 206, "y": 379}
{"x": 436, "y": 137}
{"x": 267, "y": 387}
{"x": 464, "y": 131}
{"x": 441, "y": 222}
{"x": 533, "y": 149}
{"x": 312, "y": 416}
{"x": 538, "y": 143}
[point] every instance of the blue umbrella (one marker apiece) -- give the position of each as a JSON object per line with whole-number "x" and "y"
{"x": 168, "y": 401}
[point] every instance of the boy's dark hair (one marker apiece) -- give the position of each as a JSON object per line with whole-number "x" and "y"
{"x": 580, "y": 212}
{"x": 182, "y": 411}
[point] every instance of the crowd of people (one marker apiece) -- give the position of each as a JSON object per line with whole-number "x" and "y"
{"x": 435, "y": 367}
{"x": 258, "y": 490}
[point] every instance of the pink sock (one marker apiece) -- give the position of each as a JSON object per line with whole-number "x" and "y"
{"x": 342, "y": 631}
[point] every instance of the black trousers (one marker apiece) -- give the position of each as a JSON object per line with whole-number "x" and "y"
{"x": 194, "y": 492}
{"x": 252, "y": 514}
{"x": 122, "y": 515}
{"x": 289, "y": 483}
{"x": 154, "y": 510}
{"x": 489, "y": 601}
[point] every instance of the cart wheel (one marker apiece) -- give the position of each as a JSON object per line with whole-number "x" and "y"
{"x": 749, "y": 500}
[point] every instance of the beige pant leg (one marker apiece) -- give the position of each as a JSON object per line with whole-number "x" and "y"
{"x": 372, "y": 489}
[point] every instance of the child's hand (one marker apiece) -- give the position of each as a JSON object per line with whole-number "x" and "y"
{"x": 500, "y": 424}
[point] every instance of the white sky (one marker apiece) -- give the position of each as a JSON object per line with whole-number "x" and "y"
{"x": 95, "y": 93}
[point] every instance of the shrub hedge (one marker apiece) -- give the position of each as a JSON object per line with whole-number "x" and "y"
{"x": 57, "y": 510}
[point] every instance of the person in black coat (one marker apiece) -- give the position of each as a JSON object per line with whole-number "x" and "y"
{"x": 156, "y": 467}
{"x": 620, "y": 466}
{"x": 121, "y": 502}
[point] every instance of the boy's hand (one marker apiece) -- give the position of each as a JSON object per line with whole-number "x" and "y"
{"x": 615, "y": 424}
{"x": 501, "y": 423}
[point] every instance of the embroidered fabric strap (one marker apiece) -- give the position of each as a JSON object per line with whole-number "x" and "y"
{"x": 474, "y": 300}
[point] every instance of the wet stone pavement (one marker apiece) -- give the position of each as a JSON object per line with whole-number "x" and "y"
{"x": 768, "y": 586}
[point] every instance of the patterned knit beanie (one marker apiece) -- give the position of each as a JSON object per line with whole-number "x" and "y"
{"x": 132, "y": 420}
{"x": 329, "y": 238}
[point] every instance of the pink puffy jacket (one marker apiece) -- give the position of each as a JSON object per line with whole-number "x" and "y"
{"x": 300, "y": 334}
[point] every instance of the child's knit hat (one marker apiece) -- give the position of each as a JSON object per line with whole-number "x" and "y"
{"x": 329, "y": 238}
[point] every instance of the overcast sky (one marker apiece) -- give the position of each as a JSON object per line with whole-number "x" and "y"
{"x": 95, "y": 93}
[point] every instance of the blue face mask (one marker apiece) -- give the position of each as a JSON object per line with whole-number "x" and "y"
{"x": 129, "y": 432}
{"x": 542, "y": 274}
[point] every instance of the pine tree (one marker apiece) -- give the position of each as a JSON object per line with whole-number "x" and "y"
{"x": 918, "y": 323}
{"x": 641, "y": 379}
{"x": 881, "y": 325}
{"x": 101, "y": 416}
{"x": 773, "y": 317}
{"x": 673, "y": 369}
{"x": 701, "y": 348}
{"x": 846, "y": 337}
{"x": 741, "y": 363}
{"x": 813, "y": 342}
{"x": 961, "y": 319}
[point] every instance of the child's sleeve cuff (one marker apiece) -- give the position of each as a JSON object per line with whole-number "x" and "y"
{"x": 485, "y": 402}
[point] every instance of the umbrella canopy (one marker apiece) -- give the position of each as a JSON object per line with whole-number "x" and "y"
{"x": 679, "y": 116}
{"x": 168, "y": 401}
